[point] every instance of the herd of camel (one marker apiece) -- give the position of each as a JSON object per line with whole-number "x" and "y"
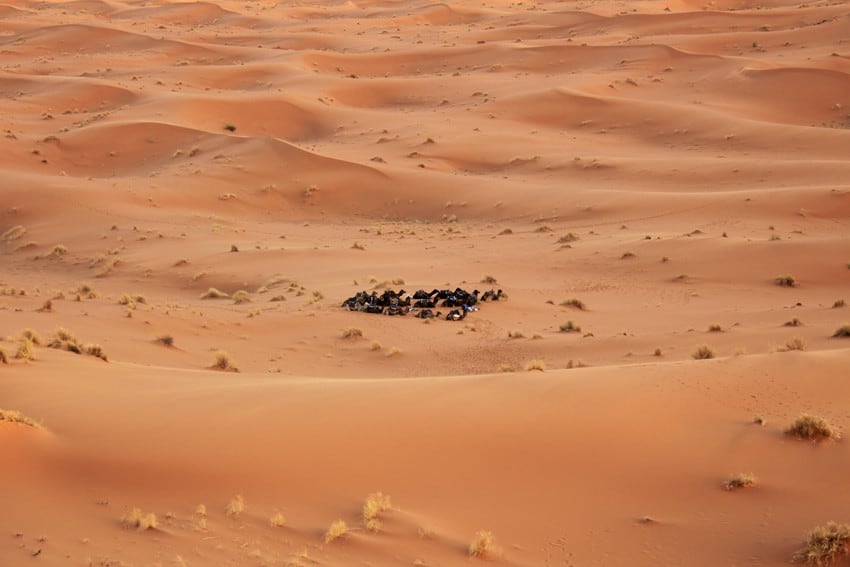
{"x": 390, "y": 302}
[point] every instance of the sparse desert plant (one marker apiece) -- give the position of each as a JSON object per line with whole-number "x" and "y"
{"x": 336, "y": 530}
{"x": 506, "y": 231}
{"x": 26, "y": 350}
{"x": 57, "y": 251}
{"x": 394, "y": 351}
{"x": 740, "y": 480}
{"x": 65, "y": 340}
{"x": 86, "y": 291}
{"x": 13, "y": 233}
{"x": 213, "y": 293}
{"x": 3, "y": 358}
{"x": 277, "y": 520}
{"x": 277, "y": 298}
{"x": 785, "y": 281}
{"x": 569, "y": 237}
{"x": 797, "y": 343}
{"x": 838, "y": 303}
{"x": 535, "y": 364}
{"x": 14, "y": 416}
{"x": 235, "y": 507}
{"x": 703, "y": 352}
{"x": 843, "y": 331}
{"x": 240, "y": 297}
{"x": 488, "y": 279}
{"x": 376, "y": 345}
{"x": 515, "y": 334}
{"x": 375, "y": 504}
{"x": 96, "y": 351}
{"x": 137, "y": 519}
{"x": 31, "y": 335}
{"x": 759, "y": 420}
{"x": 165, "y": 340}
{"x": 578, "y": 363}
{"x": 398, "y": 281}
{"x": 573, "y": 302}
{"x": 201, "y": 510}
{"x": 715, "y": 328}
{"x": 132, "y": 299}
{"x": 482, "y": 544}
{"x": 358, "y": 246}
{"x": 224, "y": 362}
{"x": 658, "y": 351}
{"x": 570, "y": 327}
{"x": 824, "y": 544}
{"x": 812, "y": 428}
{"x": 793, "y": 323}
{"x": 46, "y": 307}
{"x": 230, "y": 127}
{"x": 352, "y": 333}
{"x": 234, "y": 248}
{"x": 627, "y": 255}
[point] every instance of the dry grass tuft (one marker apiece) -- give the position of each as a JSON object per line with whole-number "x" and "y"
{"x": 375, "y": 504}
{"x": 165, "y": 340}
{"x": 213, "y": 293}
{"x": 394, "y": 351}
{"x": 136, "y": 519}
{"x": 240, "y": 297}
{"x": 703, "y": 352}
{"x": 337, "y": 530}
{"x": 515, "y": 334}
{"x": 785, "y": 281}
{"x": 797, "y": 343}
{"x": 627, "y": 255}
{"x": 376, "y": 345}
{"x": 482, "y": 544}
{"x": 46, "y": 307}
{"x": 26, "y": 350}
{"x": 31, "y": 335}
{"x": 358, "y": 246}
{"x": 65, "y": 340}
{"x": 235, "y": 507}
{"x": 794, "y": 323}
{"x": 276, "y": 298}
{"x": 838, "y": 303}
{"x": 570, "y": 327}
{"x": 573, "y": 302}
{"x": 132, "y": 299}
{"x": 95, "y": 350}
{"x": 843, "y": 331}
{"x": 352, "y": 333}
{"x": 535, "y": 364}
{"x": 14, "y": 416}
{"x": 224, "y": 362}
{"x": 277, "y": 520}
{"x": 86, "y": 291}
{"x": 824, "y": 544}
{"x": 715, "y": 328}
{"x": 812, "y": 428}
{"x": 740, "y": 480}
{"x": 488, "y": 279}
{"x": 567, "y": 238}
{"x": 3, "y": 358}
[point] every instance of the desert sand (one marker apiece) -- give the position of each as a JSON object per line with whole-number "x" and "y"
{"x": 661, "y": 162}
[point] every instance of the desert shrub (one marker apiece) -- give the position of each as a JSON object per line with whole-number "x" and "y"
{"x": 165, "y": 340}
{"x": 224, "y": 362}
{"x": 31, "y": 335}
{"x": 64, "y": 340}
{"x": 352, "y": 333}
{"x": 241, "y": 296}
{"x": 703, "y": 352}
{"x": 336, "y": 530}
{"x": 13, "y": 233}
{"x": 394, "y": 351}
{"x": 276, "y": 298}
{"x": 358, "y": 246}
{"x": 137, "y": 519}
{"x": 132, "y": 299}
{"x": 740, "y": 480}
{"x": 812, "y": 428}
{"x": 843, "y": 331}
{"x": 824, "y": 544}
{"x": 376, "y": 345}
{"x": 838, "y": 303}
{"x": 398, "y": 281}
{"x": 3, "y": 358}
{"x": 570, "y": 327}
{"x": 515, "y": 334}
{"x": 715, "y": 328}
{"x": 658, "y": 351}
{"x": 535, "y": 364}
{"x": 793, "y": 323}
{"x": 785, "y": 281}
{"x": 569, "y": 237}
{"x": 96, "y": 350}
{"x": 797, "y": 343}
{"x": 374, "y": 505}
{"x": 86, "y": 291}
{"x": 573, "y": 302}
{"x": 235, "y": 507}
{"x": 213, "y": 293}
{"x": 26, "y": 350}
{"x": 627, "y": 255}
{"x": 14, "y": 416}
{"x": 277, "y": 520}
{"x": 488, "y": 279}
{"x": 482, "y": 544}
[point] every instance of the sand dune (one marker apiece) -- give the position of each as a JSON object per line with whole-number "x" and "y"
{"x": 195, "y": 187}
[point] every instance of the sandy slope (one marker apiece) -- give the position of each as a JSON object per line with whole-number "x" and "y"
{"x": 663, "y": 162}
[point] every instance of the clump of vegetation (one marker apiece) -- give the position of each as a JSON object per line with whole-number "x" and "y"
{"x": 393, "y": 351}
{"x": 277, "y": 520}
{"x": 824, "y": 544}
{"x": 240, "y": 297}
{"x": 26, "y": 350}
{"x": 506, "y": 231}
{"x": 567, "y": 238}
{"x": 235, "y": 507}
{"x": 136, "y": 519}
{"x": 374, "y": 505}
{"x": 536, "y": 364}
{"x": 352, "y": 333}
{"x": 31, "y": 335}
{"x": 715, "y": 328}
{"x": 794, "y": 323}
{"x": 358, "y": 246}
{"x": 224, "y": 362}
{"x": 165, "y": 340}
{"x": 515, "y": 334}
{"x": 843, "y": 331}
{"x": 812, "y": 428}
{"x": 213, "y": 293}
{"x": 703, "y": 352}
{"x": 785, "y": 281}
{"x": 797, "y": 343}
{"x": 573, "y": 302}
{"x": 13, "y": 233}
{"x": 14, "y": 416}
{"x": 86, "y": 291}
{"x": 3, "y": 358}
{"x": 488, "y": 279}
{"x": 838, "y": 303}
{"x": 627, "y": 255}
{"x": 376, "y": 345}
{"x": 96, "y": 351}
{"x": 336, "y": 530}
{"x": 740, "y": 480}
{"x": 482, "y": 544}
{"x": 64, "y": 340}
{"x": 132, "y": 299}
{"x": 570, "y": 327}
{"x": 658, "y": 351}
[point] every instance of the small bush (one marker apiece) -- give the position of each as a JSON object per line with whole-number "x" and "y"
{"x": 394, "y": 351}
{"x": 838, "y": 303}
{"x": 132, "y": 299}
{"x": 515, "y": 334}
{"x": 26, "y": 350}
{"x": 703, "y": 352}
{"x": 812, "y": 428}
{"x": 358, "y": 246}
{"x": 376, "y": 345}
{"x": 235, "y": 507}
{"x": 165, "y": 340}
{"x": 224, "y": 362}
{"x": 3, "y": 358}
{"x": 488, "y": 279}
{"x": 825, "y": 544}
{"x": 240, "y": 297}
{"x": 277, "y": 520}
{"x": 96, "y": 350}
{"x": 213, "y": 293}
{"x": 785, "y": 281}
{"x": 569, "y": 237}
{"x": 573, "y": 302}
{"x": 482, "y": 544}
{"x": 715, "y": 328}
{"x": 570, "y": 327}
{"x": 535, "y": 364}
{"x": 13, "y": 416}
{"x": 136, "y": 519}
{"x": 86, "y": 291}
{"x": 843, "y": 331}
{"x": 797, "y": 343}
{"x": 276, "y": 298}
{"x": 337, "y": 530}
{"x": 352, "y": 333}
{"x": 740, "y": 480}
{"x": 627, "y": 255}
{"x": 375, "y": 504}
{"x": 658, "y": 351}
{"x": 794, "y": 323}
{"x": 31, "y": 335}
